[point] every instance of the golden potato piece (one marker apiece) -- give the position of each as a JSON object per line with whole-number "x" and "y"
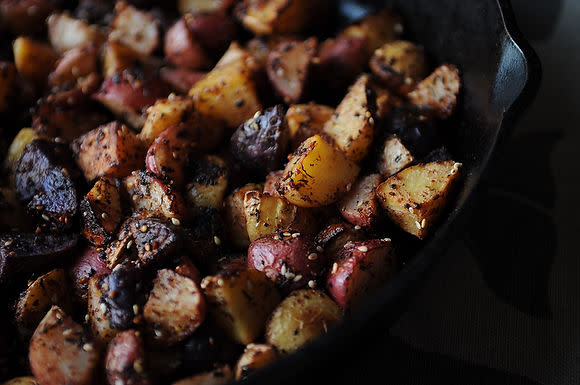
{"x": 306, "y": 120}
{"x": 34, "y": 60}
{"x": 300, "y": 318}
{"x": 24, "y": 136}
{"x": 209, "y": 183}
{"x": 438, "y": 91}
{"x": 415, "y": 197}
{"x": 255, "y": 357}
{"x": 235, "y": 218}
{"x": 134, "y": 28}
{"x": 317, "y": 174}
{"x": 274, "y": 16}
{"x": 21, "y": 381}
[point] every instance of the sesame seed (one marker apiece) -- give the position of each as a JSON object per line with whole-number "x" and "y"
{"x": 418, "y": 225}
{"x": 364, "y": 249}
{"x": 8, "y": 243}
{"x": 334, "y": 267}
{"x": 312, "y": 284}
{"x": 39, "y": 207}
{"x": 423, "y": 223}
{"x": 144, "y": 228}
{"x": 58, "y": 315}
{"x": 129, "y": 244}
{"x": 290, "y": 275}
{"x": 257, "y": 114}
{"x": 104, "y": 215}
{"x": 319, "y": 249}
{"x": 313, "y": 257}
{"x": 217, "y": 240}
{"x": 175, "y": 221}
{"x": 410, "y": 209}
{"x": 298, "y": 278}
{"x": 87, "y": 347}
{"x": 147, "y": 247}
{"x": 204, "y": 283}
{"x": 387, "y": 239}
{"x": 157, "y": 333}
{"x": 220, "y": 282}
{"x": 45, "y": 217}
{"x": 103, "y": 307}
{"x": 295, "y": 235}
{"x": 135, "y": 197}
{"x": 286, "y": 234}
{"x": 174, "y": 155}
{"x": 58, "y": 140}
{"x": 283, "y": 270}
{"x": 135, "y": 309}
{"x": 137, "y": 366}
{"x": 86, "y": 318}
{"x": 67, "y": 332}
{"x": 357, "y": 227}
{"x": 276, "y": 238}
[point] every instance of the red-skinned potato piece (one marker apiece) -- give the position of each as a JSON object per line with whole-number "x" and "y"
{"x": 333, "y": 237}
{"x": 360, "y": 269}
{"x": 360, "y": 206}
{"x": 90, "y": 262}
{"x": 129, "y": 93}
{"x": 181, "y": 79}
{"x": 288, "y": 258}
{"x": 125, "y": 360}
{"x": 167, "y": 155}
{"x": 182, "y": 49}
{"x": 214, "y": 31}
{"x": 73, "y": 64}
{"x": 270, "y": 185}
{"x": 204, "y": 6}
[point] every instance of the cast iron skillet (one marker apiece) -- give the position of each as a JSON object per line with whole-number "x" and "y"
{"x": 500, "y": 76}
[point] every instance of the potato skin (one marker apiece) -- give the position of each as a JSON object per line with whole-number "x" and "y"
{"x": 101, "y": 211}
{"x": 125, "y": 359}
{"x": 90, "y": 262}
{"x": 300, "y": 318}
{"x": 167, "y": 155}
{"x": 333, "y": 237}
{"x": 361, "y": 268}
{"x": 255, "y": 357}
{"x": 182, "y": 49}
{"x": 73, "y": 64}
{"x": 60, "y": 353}
{"x": 306, "y": 120}
{"x": 359, "y": 206}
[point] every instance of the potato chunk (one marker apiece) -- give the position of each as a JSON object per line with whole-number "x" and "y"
{"x": 304, "y": 315}
{"x": 255, "y": 357}
{"x": 125, "y": 360}
{"x": 60, "y": 353}
{"x": 164, "y": 114}
{"x": 352, "y": 124}
{"x": 168, "y": 154}
{"x": 240, "y": 302}
{"x": 394, "y": 156}
{"x": 134, "y": 28}
{"x": 24, "y": 136}
{"x": 438, "y": 91}
{"x": 359, "y": 206}
{"x": 34, "y": 60}
{"x": 306, "y": 120}
{"x": 109, "y": 150}
{"x": 175, "y": 308}
{"x": 274, "y": 16}
{"x": 234, "y": 215}
{"x": 415, "y": 197}
{"x": 74, "y": 64}
{"x": 66, "y": 32}
{"x": 210, "y": 181}
{"x": 317, "y": 174}
{"x": 117, "y": 58}
{"x": 101, "y": 211}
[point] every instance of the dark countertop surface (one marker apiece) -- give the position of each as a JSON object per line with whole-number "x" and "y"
{"x": 503, "y": 305}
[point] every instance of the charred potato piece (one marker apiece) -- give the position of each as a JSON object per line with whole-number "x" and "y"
{"x": 7, "y": 84}
{"x": 155, "y": 239}
{"x": 101, "y": 211}
{"x": 47, "y": 290}
{"x": 235, "y": 216}
{"x": 128, "y": 94}
{"x": 181, "y": 80}
{"x": 300, "y": 318}
{"x": 288, "y": 68}
{"x": 182, "y": 49}
{"x": 163, "y": 114}
{"x": 210, "y": 181}
{"x": 175, "y": 308}
{"x": 118, "y": 58}
{"x": 29, "y": 253}
{"x": 288, "y": 258}
{"x": 266, "y": 214}
{"x": 73, "y": 64}
{"x": 393, "y": 157}
{"x": 274, "y": 16}
{"x": 110, "y": 150}
{"x": 260, "y": 144}
{"x": 317, "y": 174}
{"x": 125, "y": 360}
{"x": 203, "y": 6}
{"x": 150, "y": 196}
{"x": 228, "y": 92}
{"x": 399, "y": 65}
{"x": 333, "y": 237}
{"x": 44, "y": 178}
{"x": 34, "y": 60}
{"x": 359, "y": 206}
{"x": 255, "y": 357}
{"x": 416, "y": 128}
{"x": 438, "y": 91}
{"x": 134, "y": 28}
{"x": 360, "y": 269}
{"x": 60, "y": 352}
{"x": 21, "y": 381}
{"x": 218, "y": 376}
{"x": 205, "y": 237}
{"x": 240, "y": 301}
{"x": 90, "y": 262}
{"x": 66, "y": 32}
{"x": 24, "y": 136}
{"x": 352, "y": 124}
{"x": 306, "y": 120}
{"x": 416, "y": 197}
{"x": 168, "y": 154}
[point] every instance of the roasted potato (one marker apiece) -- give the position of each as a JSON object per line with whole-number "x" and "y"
{"x": 300, "y": 318}
{"x": 399, "y": 65}
{"x": 331, "y": 239}
{"x": 266, "y": 214}
{"x": 261, "y": 143}
{"x": 101, "y": 211}
{"x": 73, "y": 64}
{"x": 393, "y": 157}
{"x": 34, "y": 60}
{"x": 240, "y": 301}
{"x": 163, "y": 114}
{"x": 89, "y": 262}
{"x": 66, "y": 32}
{"x": 352, "y": 124}
{"x": 272, "y": 180}
{"x": 21, "y": 381}
{"x": 438, "y": 91}
{"x": 235, "y": 217}
{"x": 274, "y": 16}
{"x": 175, "y": 308}
{"x": 47, "y": 290}
{"x": 152, "y": 197}
{"x": 218, "y": 376}
{"x": 24, "y": 136}
{"x": 205, "y": 237}
{"x": 117, "y": 58}
{"x": 317, "y": 174}
{"x": 306, "y": 120}
{"x": 155, "y": 240}
{"x": 255, "y": 357}
{"x": 186, "y": 268}
{"x": 209, "y": 183}
{"x": 288, "y": 68}
{"x": 30, "y": 253}
{"x": 7, "y": 84}
{"x": 134, "y": 28}
{"x": 228, "y": 92}
{"x": 415, "y": 197}
{"x": 203, "y": 6}
{"x": 359, "y": 270}
{"x": 181, "y": 80}
{"x": 60, "y": 353}
{"x": 182, "y": 49}
{"x": 125, "y": 360}
{"x": 359, "y": 206}
{"x": 214, "y": 31}
{"x": 109, "y": 150}
{"x": 376, "y": 29}
{"x": 288, "y": 258}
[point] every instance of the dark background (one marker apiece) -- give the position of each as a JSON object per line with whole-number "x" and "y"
{"x": 503, "y": 305}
